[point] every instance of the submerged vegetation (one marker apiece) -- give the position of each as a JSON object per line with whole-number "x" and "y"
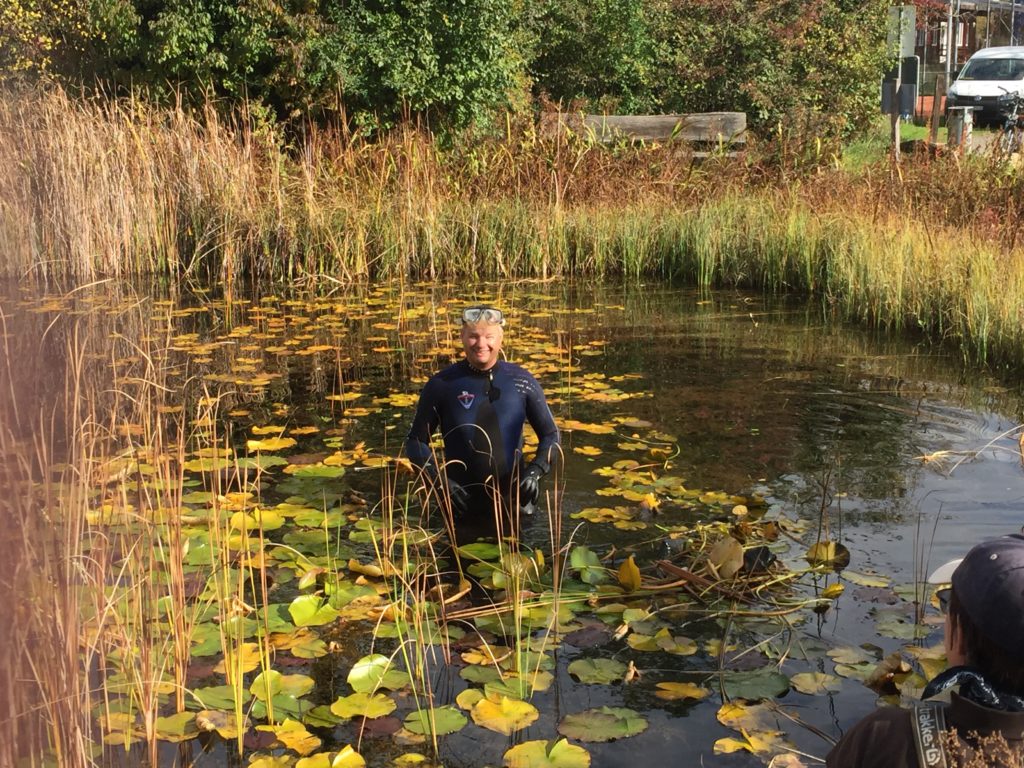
{"x": 213, "y": 543}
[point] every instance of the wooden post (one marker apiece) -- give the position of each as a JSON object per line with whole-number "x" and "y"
{"x": 896, "y": 111}
{"x": 940, "y": 91}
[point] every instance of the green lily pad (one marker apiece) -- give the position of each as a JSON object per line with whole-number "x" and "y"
{"x": 177, "y": 728}
{"x": 474, "y": 673}
{"x": 261, "y": 461}
{"x": 284, "y": 706}
{"x": 311, "y": 611}
{"x": 440, "y": 720}
{"x": 480, "y": 550}
{"x": 603, "y": 724}
{"x": 547, "y": 754}
{"x": 271, "y": 683}
{"x": 321, "y": 717}
{"x": 764, "y": 683}
{"x": 275, "y": 619}
{"x": 344, "y": 592}
{"x": 503, "y": 714}
{"x": 363, "y": 705}
{"x": 598, "y": 671}
{"x": 220, "y": 697}
{"x": 318, "y": 471}
{"x": 588, "y": 566}
{"x": 376, "y": 671}
{"x": 205, "y": 639}
{"x": 815, "y": 683}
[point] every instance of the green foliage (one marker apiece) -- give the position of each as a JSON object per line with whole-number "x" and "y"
{"x": 814, "y": 64}
{"x": 447, "y": 64}
{"x": 605, "y": 52}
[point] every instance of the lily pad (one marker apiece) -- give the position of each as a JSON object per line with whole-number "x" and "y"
{"x": 815, "y": 683}
{"x": 547, "y": 754}
{"x": 346, "y": 758}
{"x": 363, "y": 705}
{"x": 597, "y": 671}
{"x": 763, "y": 683}
{"x": 376, "y": 671}
{"x": 603, "y": 724}
{"x": 311, "y": 611}
{"x": 670, "y": 691}
{"x": 440, "y": 720}
{"x": 503, "y": 714}
{"x": 293, "y": 735}
{"x": 588, "y": 566}
{"x": 177, "y": 728}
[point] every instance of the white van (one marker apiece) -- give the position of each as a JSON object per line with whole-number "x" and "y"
{"x": 989, "y": 81}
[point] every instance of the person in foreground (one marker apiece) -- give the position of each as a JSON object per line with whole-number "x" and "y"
{"x": 480, "y": 405}
{"x": 983, "y": 724}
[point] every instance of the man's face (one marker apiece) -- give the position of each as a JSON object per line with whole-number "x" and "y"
{"x": 482, "y": 343}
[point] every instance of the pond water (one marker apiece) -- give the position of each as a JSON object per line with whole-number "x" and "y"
{"x": 892, "y": 449}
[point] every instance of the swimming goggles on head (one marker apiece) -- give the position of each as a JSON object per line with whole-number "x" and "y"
{"x": 489, "y": 315}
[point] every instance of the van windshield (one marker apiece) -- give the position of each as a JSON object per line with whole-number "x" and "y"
{"x": 993, "y": 69}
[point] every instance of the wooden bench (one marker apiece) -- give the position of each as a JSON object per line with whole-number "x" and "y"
{"x": 707, "y": 129}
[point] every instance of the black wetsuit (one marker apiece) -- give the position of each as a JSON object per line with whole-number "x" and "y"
{"x": 480, "y": 415}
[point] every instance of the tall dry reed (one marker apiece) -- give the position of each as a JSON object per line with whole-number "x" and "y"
{"x": 111, "y": 188}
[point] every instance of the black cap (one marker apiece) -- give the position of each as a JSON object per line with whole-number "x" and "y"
{"x": 989, "y": 584}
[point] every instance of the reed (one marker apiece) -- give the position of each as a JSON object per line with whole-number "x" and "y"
{"x": 119, "y": 187}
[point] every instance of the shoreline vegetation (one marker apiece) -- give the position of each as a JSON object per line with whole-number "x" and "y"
{"x": 95, "y": 189}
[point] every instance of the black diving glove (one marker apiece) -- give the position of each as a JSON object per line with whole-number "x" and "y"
{"x": 529, "y": 488}
{"x": 459, "y": 497}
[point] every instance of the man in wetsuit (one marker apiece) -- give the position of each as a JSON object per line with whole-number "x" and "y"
{"x": 480, "y": 405}
{"x": 984, "y": 635}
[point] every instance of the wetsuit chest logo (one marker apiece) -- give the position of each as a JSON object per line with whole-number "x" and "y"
{"x": 466, "y": 399}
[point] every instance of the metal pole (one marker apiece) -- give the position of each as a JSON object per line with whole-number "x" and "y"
{"x": 988, "y": 24}
{"x": 949, "y": 42}
{"x": 1013, "y": 25}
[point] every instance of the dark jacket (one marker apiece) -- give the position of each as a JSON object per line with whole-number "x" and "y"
{"x": 480, "y": 416}
{"x": 885, "y": 738}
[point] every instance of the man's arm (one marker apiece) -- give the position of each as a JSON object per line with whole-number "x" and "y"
{"x": 539, "y": 415}
{"x": 417, "y": 443}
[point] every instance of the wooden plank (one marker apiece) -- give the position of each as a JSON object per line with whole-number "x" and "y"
{"x": 727, "y": 127}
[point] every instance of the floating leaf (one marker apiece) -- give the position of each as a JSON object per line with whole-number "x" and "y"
{"x": 867, "y": 580}
{"x": 440, "y": 721}
{"x": 815, "y": 683}
{"x": 832, "y": 591}
{"x": 726, "y": 556}
{"x": 311, "y": 611}
{"x": 587, "y": 564}
{"x": 763, "y": 683}
{"x": 270, "y": 683}
{"x": 293, "y": 735}
{"x": 220, "y": 696}
{"x": 597, "y": 671}
{"x": 480, "y": 550}
{"x": 467, "y": 698}
{"x": 829, "y": 553}
{"x": 375, "y": 671}
{"x": 602, "y": 724}
{"x": 177, "y": 728}
{"x": 224, "y": 723}
{"x": 271, "y": 444}
{"x": 676, "y": 691}
{"x": 504, "y": 715}
{"x": 363, "y": 705}
{"x": 546, "y": 754}
{"x": 346, "y": 758}
{"x": 629, "y": 575}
